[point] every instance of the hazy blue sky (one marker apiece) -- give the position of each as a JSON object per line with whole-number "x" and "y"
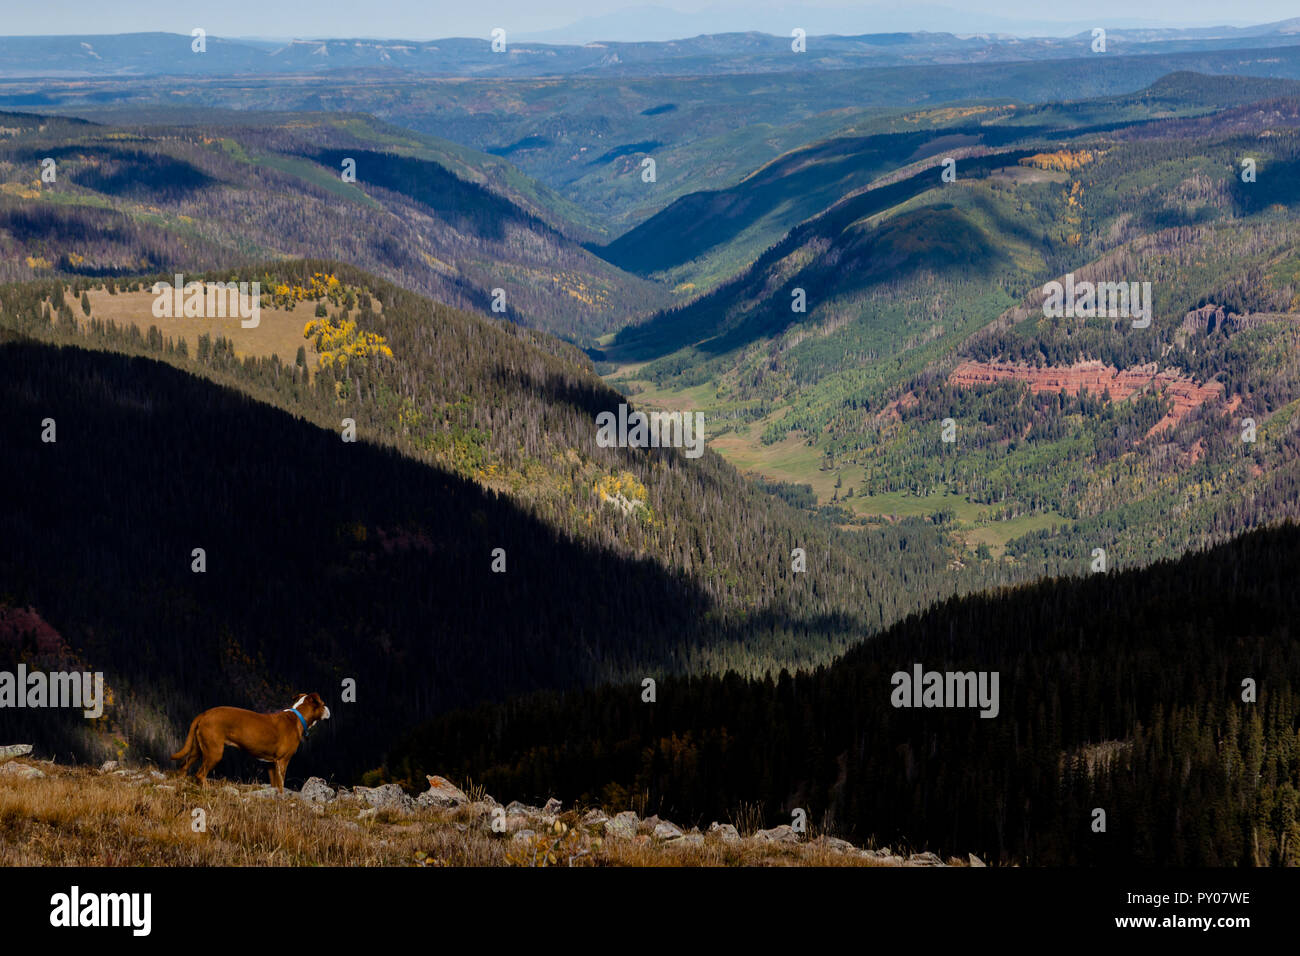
{"x": 579, "y": 20}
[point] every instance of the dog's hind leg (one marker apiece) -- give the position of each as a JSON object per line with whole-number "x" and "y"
{"x": 212, "y": 751}
{"x": 190, "y": 760}
{"x": 277, "y": 774}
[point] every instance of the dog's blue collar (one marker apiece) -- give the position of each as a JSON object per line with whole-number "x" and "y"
{"x": 302, "y": 720}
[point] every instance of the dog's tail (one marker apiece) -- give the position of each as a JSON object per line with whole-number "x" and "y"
{"x": 190, "y": 743}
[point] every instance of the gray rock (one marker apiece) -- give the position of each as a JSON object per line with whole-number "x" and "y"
{"x": 233, "y": 791}
{"x": 108, "y": 766}
{"x": 725, "y": 832}
{"x": 924, "y": 859}
{"x": 688, "y": 839}
{"x": 552, "y": 806}
{"x": 316, "y": 790}
{"x": 835, "y": 844}
{"x": 667, "y": 831}
{"x": 265, "y": 793}
{"x": 522, "y": 835}
{"x": 973, "y": 860}
{"x": 442, "y": 794}
{"x": 14, "y": 750}
{"x": 368, "y": 813}
{"x": 622, "y": 826}
{"x": 594, "y": 818}
{"x": 388, "y": 797}
{"x": 782, "y": 834}
{"x": 20, "y": 770}
{"x": 514, "y": 806}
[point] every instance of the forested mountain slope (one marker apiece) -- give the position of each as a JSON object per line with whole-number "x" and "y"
{"x": 924, "y": 377}
{"x": 373, "y": 560}
{"x": 708, "y": 236}
{"x": 138, "y": 197}
{"x": 1125, "y": 693}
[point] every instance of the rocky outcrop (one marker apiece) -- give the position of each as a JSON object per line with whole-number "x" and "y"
{"x": 21, "y": 770}
{"x": 316, "y": 790}
{"x": 725, "y": 832}
{"x": 622, "y": 826}
{"x": 388, "y": 797}
{"x": 835, "y": 844}
{"x": 1098, "y": 378}
{"x": 1212, "y": 318}
{"x": 13, "y": 751}
{"x": 782, "y": 834}
{"x": 526, "y": 824}
{"x": 667, "y": 831}
{"x": 532, "y": 836}
{"x": 442, "y": 794}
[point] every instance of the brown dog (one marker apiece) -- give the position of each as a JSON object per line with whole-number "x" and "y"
{"x": 271, "y": 738}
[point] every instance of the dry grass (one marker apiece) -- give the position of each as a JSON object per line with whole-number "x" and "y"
{"x": 79, "y": 816}
{"x": 278, "y": 333}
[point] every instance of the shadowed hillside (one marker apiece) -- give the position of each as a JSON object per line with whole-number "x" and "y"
{"x": 328, "y": 560}
{"x": 1122, "y": 692}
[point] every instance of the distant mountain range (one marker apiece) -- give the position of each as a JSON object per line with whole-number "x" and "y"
{"x": 652, "y": 22}
{"x": 145, "y": 54}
